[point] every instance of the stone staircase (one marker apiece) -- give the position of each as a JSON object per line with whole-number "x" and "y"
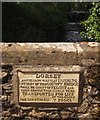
{"x": 74, "y": 27}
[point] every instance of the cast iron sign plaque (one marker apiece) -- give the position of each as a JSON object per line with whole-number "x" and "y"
{"x": 48, "y": 86}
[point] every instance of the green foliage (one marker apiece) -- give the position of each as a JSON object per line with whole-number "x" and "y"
{"x": 35, "y": 22}
{"x": 92, "y": 24}
{"x": 80, "y": 6}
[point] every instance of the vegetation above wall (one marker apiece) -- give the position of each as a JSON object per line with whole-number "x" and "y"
{"x": 45, "y": 22}
{"x": 92, "y": 24}
{"x": 35, "y": 22}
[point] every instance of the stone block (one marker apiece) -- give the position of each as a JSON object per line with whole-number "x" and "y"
{"x": 39, "y": 53}
{"x": 88, "y": 53}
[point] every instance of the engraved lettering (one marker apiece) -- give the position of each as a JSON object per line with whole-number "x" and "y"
{"x": 47, "y": 75}
{"x": 48, "y": 87}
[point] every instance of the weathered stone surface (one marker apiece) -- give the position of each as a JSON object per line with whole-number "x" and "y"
{"x": 3, "y": 98}
{"x": 28, "y": 118}
{"x": 37, "y": 114}
{"x": 26, "y": 108}
{"x": 2, "y": 74}
{"x": 50, "y": 53}
{"x": 95, "y": 110}
{"x": 83, "y": 108}
{"x": 85, "y": 116}
{"x": 54, "y": 115}
{"x": 5, "y": 113}
{"x": 65, "y": 114}
{"x": 83, "y": 54}
{"x": 39, "y": 53}
{"x": 88, "y": 53}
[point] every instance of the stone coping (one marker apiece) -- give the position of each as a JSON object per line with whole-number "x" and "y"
{"x": 79, "y": 53}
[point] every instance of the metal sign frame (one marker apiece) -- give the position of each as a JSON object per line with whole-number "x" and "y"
{"x": 34, "y": 69}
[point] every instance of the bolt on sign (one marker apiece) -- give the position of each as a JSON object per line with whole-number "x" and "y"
{"x": 55, "y": 86}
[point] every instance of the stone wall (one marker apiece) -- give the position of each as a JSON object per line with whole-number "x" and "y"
{"x": 49, "y": 54}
